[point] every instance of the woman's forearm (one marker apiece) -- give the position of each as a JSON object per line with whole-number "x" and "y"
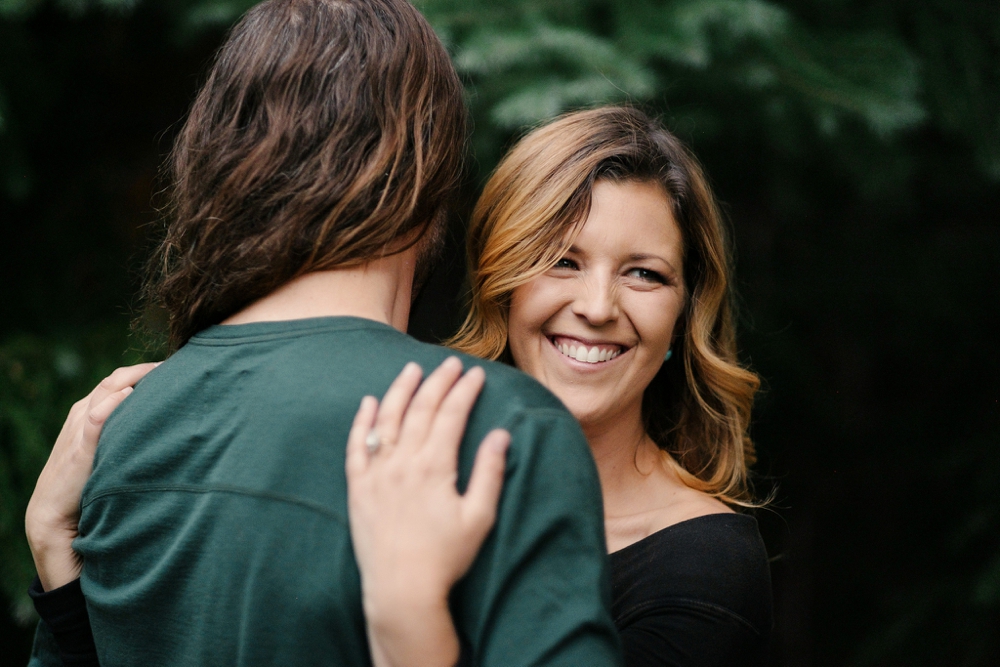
{"x": 411, "y": 633}
{"x": 52, "y": 550}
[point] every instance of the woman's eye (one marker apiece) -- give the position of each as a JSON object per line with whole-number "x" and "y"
{"x": 648, "y": 275}
{"x": 565, "y": 263}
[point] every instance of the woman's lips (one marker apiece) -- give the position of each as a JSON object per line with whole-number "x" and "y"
{"x": 588, "y": 354}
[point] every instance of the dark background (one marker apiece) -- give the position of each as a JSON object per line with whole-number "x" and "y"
{"x": 856, "y": 148}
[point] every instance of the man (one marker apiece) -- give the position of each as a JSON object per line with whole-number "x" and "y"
{"x": 310, "y": 185}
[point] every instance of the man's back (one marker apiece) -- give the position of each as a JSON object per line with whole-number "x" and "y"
{"x": 214, "y": 528}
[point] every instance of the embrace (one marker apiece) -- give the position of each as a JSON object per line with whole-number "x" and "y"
{"x": 301, "y": 483}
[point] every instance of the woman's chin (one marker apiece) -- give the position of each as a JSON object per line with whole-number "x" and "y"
{"x": 593, "y": 414}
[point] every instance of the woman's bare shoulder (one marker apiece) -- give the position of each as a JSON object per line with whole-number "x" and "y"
{"x": 668, "y": 501}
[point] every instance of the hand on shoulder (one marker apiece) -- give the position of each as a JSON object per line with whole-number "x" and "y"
{"x": 51, "y": 520}
{"x": 414, "y": 535}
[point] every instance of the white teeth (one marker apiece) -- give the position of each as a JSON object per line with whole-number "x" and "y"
{"x": 593, "y": 355}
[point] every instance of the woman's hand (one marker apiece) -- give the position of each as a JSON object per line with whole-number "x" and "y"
{"x": 51, "y": 521}
{"x": 414, "y": 536}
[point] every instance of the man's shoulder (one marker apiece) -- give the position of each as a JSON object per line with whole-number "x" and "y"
{"x": 517, "y": 390}
{"x": 543, "y": 429}
{"x": 507, "y": 389}
{"x": 338, "y": 345}
{"x": 313, "y": 366}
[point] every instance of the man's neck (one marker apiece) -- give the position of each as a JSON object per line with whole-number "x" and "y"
{"x": 380, "y": 290}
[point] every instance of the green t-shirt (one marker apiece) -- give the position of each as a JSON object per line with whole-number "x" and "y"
{"x": 214, "y": 528}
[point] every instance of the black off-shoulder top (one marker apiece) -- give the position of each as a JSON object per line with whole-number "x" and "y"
{"x": 695, "y": 594}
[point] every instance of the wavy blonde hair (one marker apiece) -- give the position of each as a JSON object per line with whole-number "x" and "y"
{"x": 696, "y": 409}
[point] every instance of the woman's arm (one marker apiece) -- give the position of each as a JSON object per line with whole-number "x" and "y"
{"x": 53, "y": 514}
{"x": 414, "y": 535}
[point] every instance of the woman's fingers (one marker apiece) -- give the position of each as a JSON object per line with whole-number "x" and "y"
{"x": 120, "y": 378}
{"x": 453, "y": 414}
{"x": 82, "y": 428}
{"x": 409, "y": 408}
{"x": 96, "y": 416}
{"x": 395, "y": 402}
{"x": 479, "y": 504}
{"x": 424, "y": 408}
{"x": 357, "y": 452}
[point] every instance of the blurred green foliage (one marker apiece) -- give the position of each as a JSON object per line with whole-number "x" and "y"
{"x": 529, "y": 61}
{"x": 856, "y": 146}
{"x": 40, "y": 378}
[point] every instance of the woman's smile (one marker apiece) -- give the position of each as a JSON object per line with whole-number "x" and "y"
{"x": 587, "y": 352}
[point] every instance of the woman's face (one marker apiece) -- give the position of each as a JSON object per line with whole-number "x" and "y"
{"x": 595, "y": 328}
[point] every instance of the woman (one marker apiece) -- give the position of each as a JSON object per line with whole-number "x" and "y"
{"x": 599, "y": 266}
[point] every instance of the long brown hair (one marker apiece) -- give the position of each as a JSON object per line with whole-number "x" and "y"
{"x": 697, "y": 408}
{"x": 329, "y": 133}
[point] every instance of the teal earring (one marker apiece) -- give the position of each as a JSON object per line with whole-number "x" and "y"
{"x": 670, "y": 353}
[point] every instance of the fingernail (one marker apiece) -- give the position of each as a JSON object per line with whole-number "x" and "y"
{"x": 127, "y": 390}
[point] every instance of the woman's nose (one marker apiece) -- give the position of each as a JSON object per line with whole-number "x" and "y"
{"x": 596, "y": 301}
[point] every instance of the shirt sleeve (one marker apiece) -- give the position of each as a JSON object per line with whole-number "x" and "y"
{"x": 538, "y": 592}
{"x": 64, "y": 636}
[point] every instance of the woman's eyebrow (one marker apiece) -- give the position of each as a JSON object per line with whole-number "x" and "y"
{"x": 634, "y": 257}
{"x": 640, "y": 256}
